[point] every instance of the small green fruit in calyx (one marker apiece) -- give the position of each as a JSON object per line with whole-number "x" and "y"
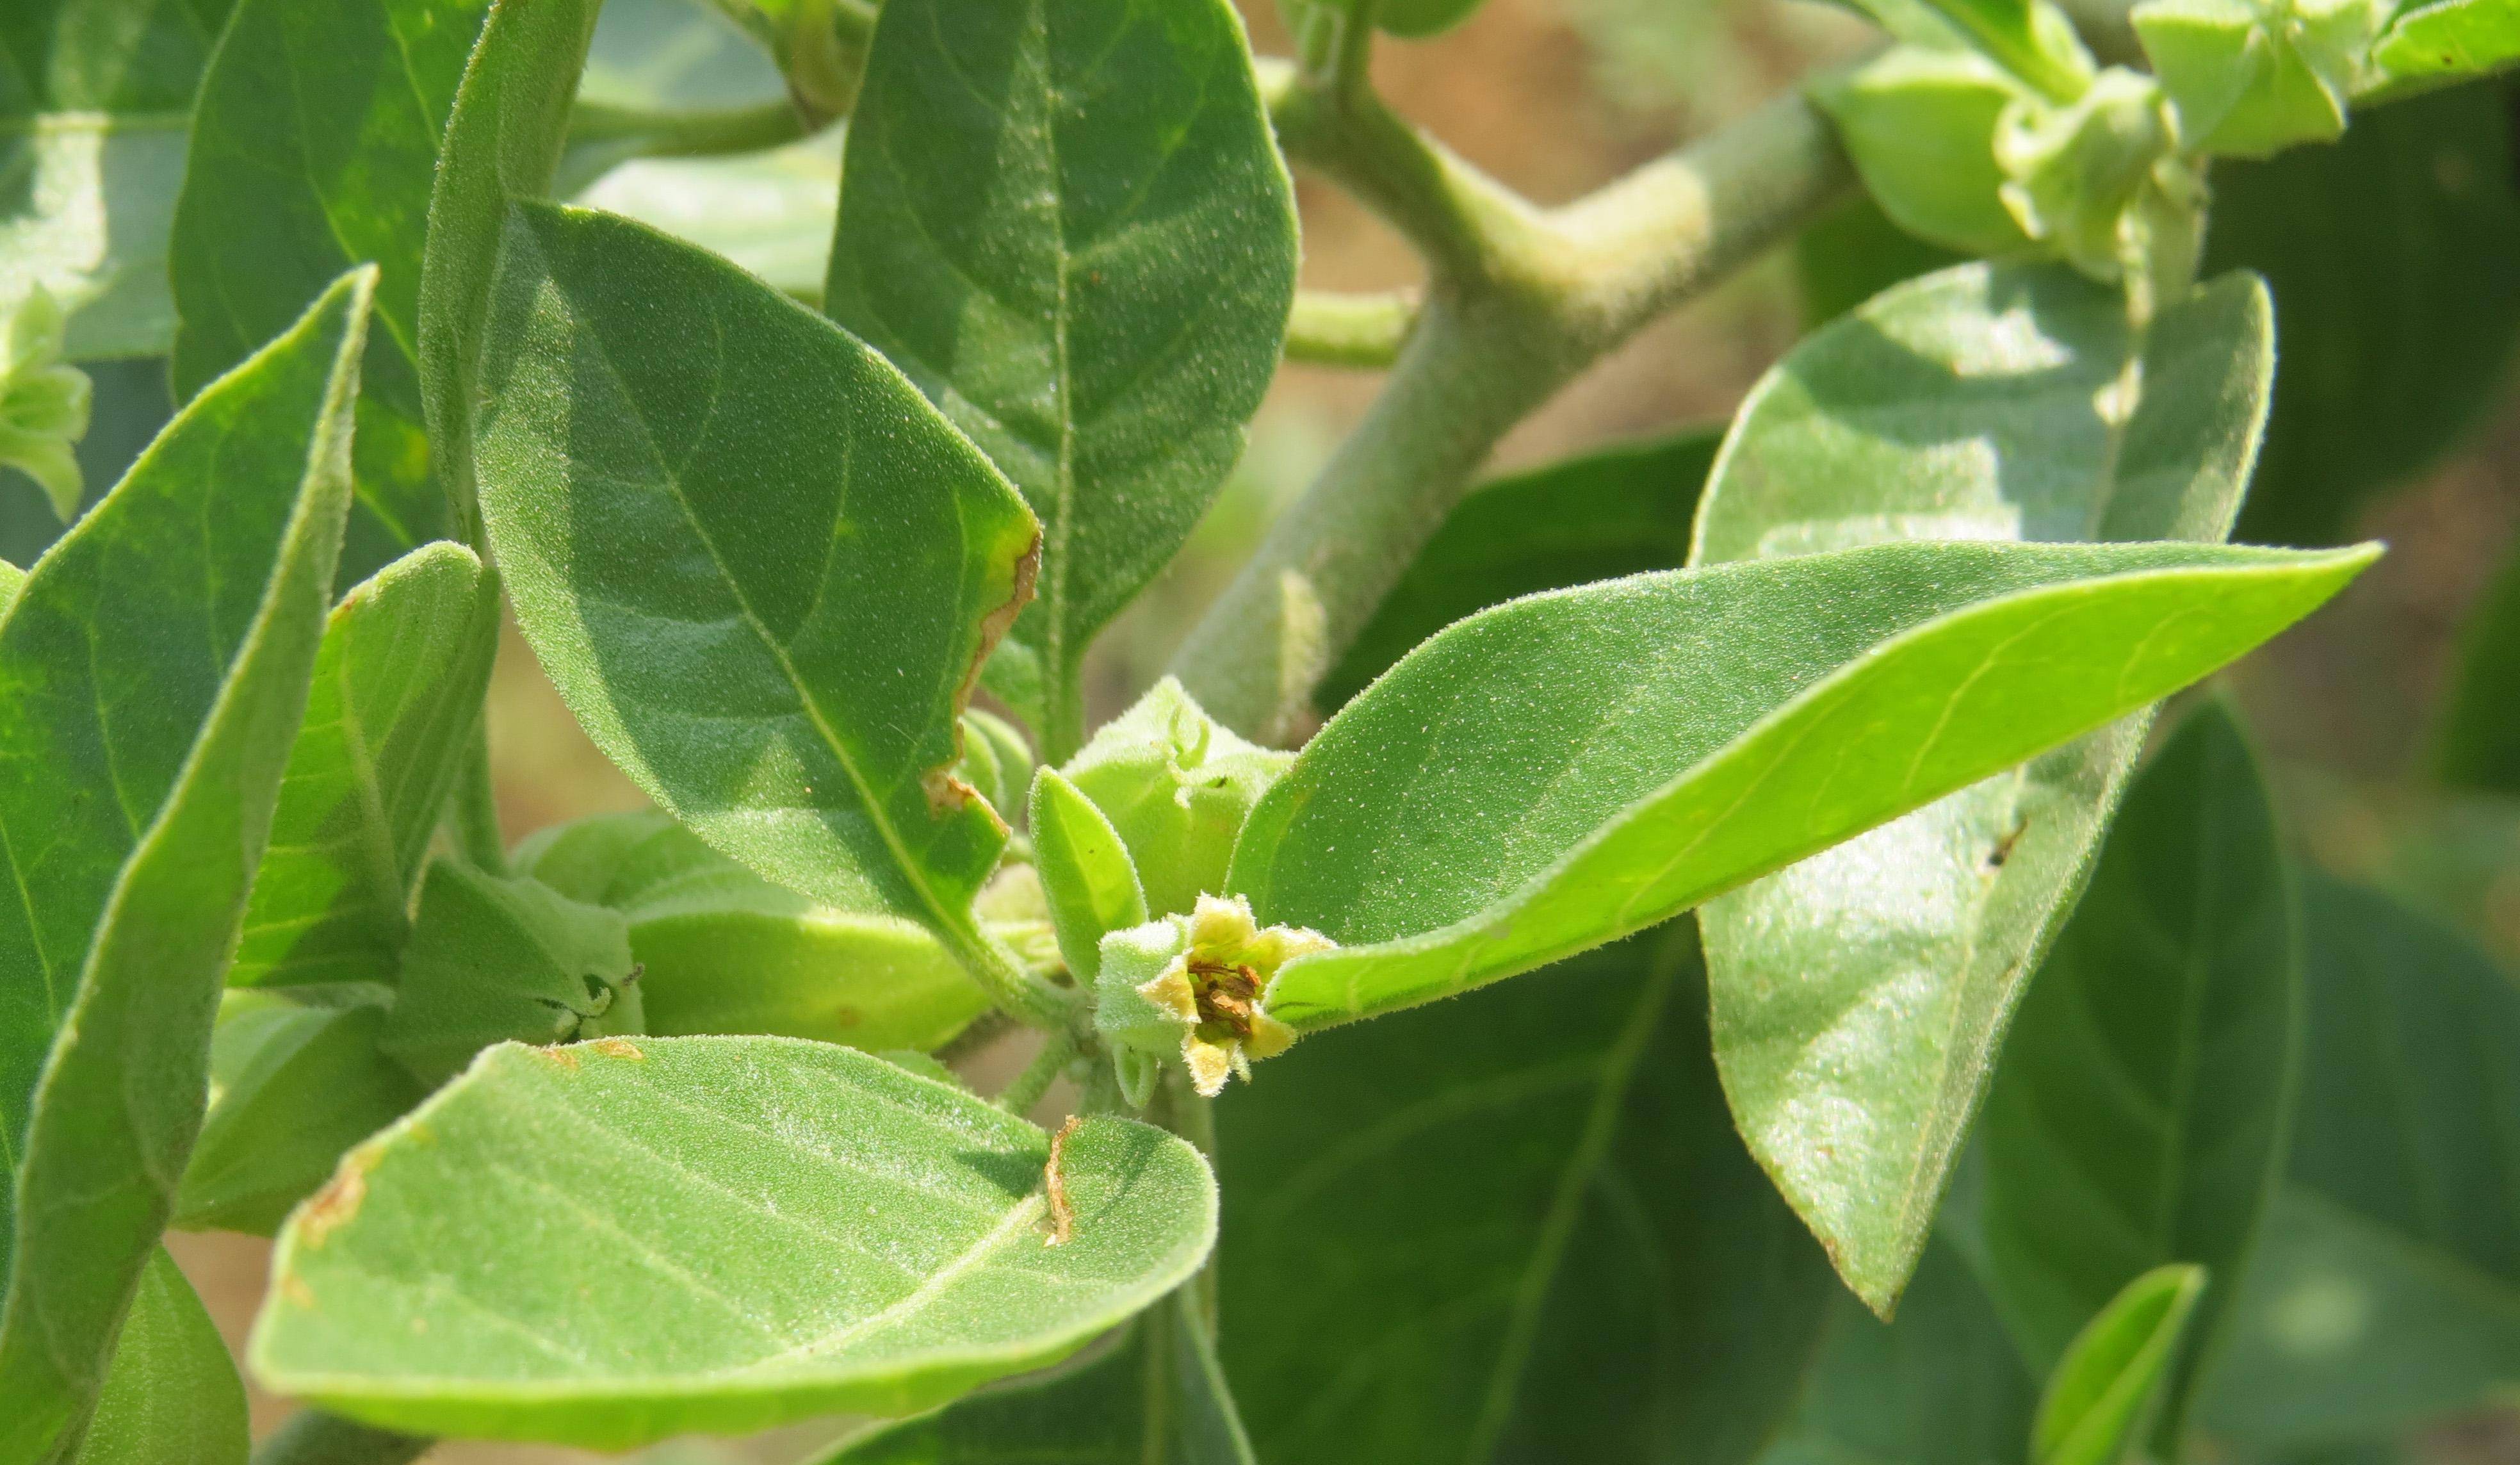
{"x": 2252, "y": 77}
{"x": 1195, "y": 986}
{"x": 1176, "y": 784}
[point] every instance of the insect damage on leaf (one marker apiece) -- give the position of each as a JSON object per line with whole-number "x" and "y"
{"x": 337, "y": 1203}
{"x": 1053, "y": 1184}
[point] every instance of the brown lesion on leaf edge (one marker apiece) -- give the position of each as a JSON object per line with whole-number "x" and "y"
{"x": 946, "y": 793}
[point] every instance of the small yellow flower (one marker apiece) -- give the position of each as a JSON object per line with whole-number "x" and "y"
{"x": 1199, "y": 985}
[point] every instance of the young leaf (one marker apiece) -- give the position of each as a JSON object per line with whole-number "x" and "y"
{"x": 399, "y": 685}
{"x": 138, "y": 769}
{"x": 1985, "y": 402}
{"x": 297, "y": 1078}
{"x": 997, "y": 762}
{"x": 1563, "y": 769}
{"x": 493, "y": 960}
{"x": 2394, "y": 258}
{"x": 759, "y": 567}
{"x": 2450, "y": 38}
{"x": 1069, "y": 224}
{"x": 1614, "y": 511}
{"x": 503, "y": 142}
{"x": 2098, "y": 1405}
{"x": 1154, "y": 1396}
{"x": 2479, "y": 743}
{"x": 314, "y": 148}
{"x": 1085, "y": 872}
{"x": 1513, "y": 1227}
{"x": 1176, "y": 785}
{"x": 720, "y": 949}
{"x": 1941, "y": 1385}
{"x": 172, "y": 1397}
{"x": 592, "y": 1250}
{"x": 95, "y": 97}
{"x": 2139, "y": 1115}
{"x": 2386, "y": 1290}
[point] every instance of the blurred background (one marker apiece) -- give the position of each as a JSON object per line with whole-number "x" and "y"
{"x": 2422, "y": 289}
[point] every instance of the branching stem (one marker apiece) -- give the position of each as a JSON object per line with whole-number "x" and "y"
{"x": 1362, "y": 331}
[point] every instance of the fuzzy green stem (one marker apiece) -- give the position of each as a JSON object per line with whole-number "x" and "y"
{"x": 1364, "y": 332}
{"x": 312, "y": 1437}
{"x": 702, "y": 132}
{"x": 477, "y": 809}
{"x": 1057, "y": 1050}
{"x": 1017, "y": 992}
{"x": 1521, "y": 302}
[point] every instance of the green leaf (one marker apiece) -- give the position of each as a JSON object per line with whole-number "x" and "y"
{"x": 1562, "y": 770}
{"x": 2394, "y": 258}
{"x": 1854, "y": 253}
{"x": 996, "y": 762}
{"x": 892, "y": 1258}
{"x": 1160, "y": 1375}
{"x": 2098, "y": 1405}
{"x": 1069, "y": 224}
{"x": 772, "y": 213}
{"x": 1919, "y": 124}
{"x": 1419, "y": 18}
{"x": 2478, "y": 746}
{"x": 1941, "y": 1385}
{"x": 2139, "y": 1115}
{"x": 503, "y": 142}
{"x": 2450, "y": 38}
{"x": 1176, "y": 785}
{"x": 1086, "y": 873}
{"x": 720, "y": 949}
{"x": 138, "y": 770}
{"x": 1610, "y": 512}
{"x": 2030, "y": 38}
{"x": 95, "y": 97}
{"x": 2252, "y": 77}
{"x": 314, "y": 147}
{"x": 1985, "y": 402}
{"x": 492, "y": 960}
{"x": 764, "y": 583}
{"x": 1514, "y": 1227}
{"x": 172, "y": 1397}
{"x": 2386, "y": 1291}
{"x": 398, "y": 690}
{"x": 297, "y": 1078}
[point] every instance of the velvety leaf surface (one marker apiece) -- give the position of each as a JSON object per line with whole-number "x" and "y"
{"x": 1085, "y": 873}
{"x": 1515, "y": 1226}
{"x": 314, "y": 148}
{"x": 297, "y": 1078}
{"x": 1154, "y": 1396}
{"x": 1069, "y": 224}
{"x": 1561, "y": 770}
{"x": 95, "y": 97}
{"x": 1177, "y": 786}
{"x": 399, "y": 685}
{"x": 2479, "y": 741}
{"x": 1983, "y": 402}
{"x": 138, "y": 771}
{"x": 2139, "y": 1115}
{"x": 504, "y": 141}
{"x": 2394, "y": 256}
{"x": 1619, "y": 511}
{"x": 723, "y": 950}
{"x": 2387, "y": 1288}
{"x": 2100, "y": 1401}
{"x": 758, "y": 566}
{"x": 1941, "y": 1385}
{"x": 617, "y": 1241}
{"x": 172, "y": 1397}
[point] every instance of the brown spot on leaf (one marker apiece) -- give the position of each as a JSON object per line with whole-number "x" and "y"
{"x": 559, "y": 1053}
{"x": 945, "y": 792}
{"x": 1053, "y": 1183}
{"x": 336, "y": 1205}
{"x": 618, "y": 1048}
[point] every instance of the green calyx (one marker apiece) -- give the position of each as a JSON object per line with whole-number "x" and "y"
{"x": 44, "y": 402}
{"x": 2251, "y": 78}
{"x": 1176, "y": 785}
{"x": 1195, "y": 986}
{"x": 2104, "y": 182}
{"x": 1919, "y": 122}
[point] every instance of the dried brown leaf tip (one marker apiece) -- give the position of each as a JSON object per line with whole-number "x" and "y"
{"x": 1053, "y": 1181}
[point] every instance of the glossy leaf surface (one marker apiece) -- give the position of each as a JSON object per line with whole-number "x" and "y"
{"x": 172, "y": 1397}
{"x": 2140, "y": 1112}
{"x": 2100, "y": 1401}
{"x": 138, "y": 772}
{"x": 758, "y": 566}
{"x": 2386, "y": 1291}
{"x": 720, "y": 949}
{"x": 1983, "y": 402}
{"x": 1069, "y": 224}
{"x": 314, "y": 148}
{"x": 1514, "y": 1226}
{"x": 1561, "y": 770}
{"x": 297, "y": 1078}
{"x": 1621, "y": 509}
{"x": 891, "y": 1256}
{"x": 397, "y": 689}
{"x": 1154, "y": 1395}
